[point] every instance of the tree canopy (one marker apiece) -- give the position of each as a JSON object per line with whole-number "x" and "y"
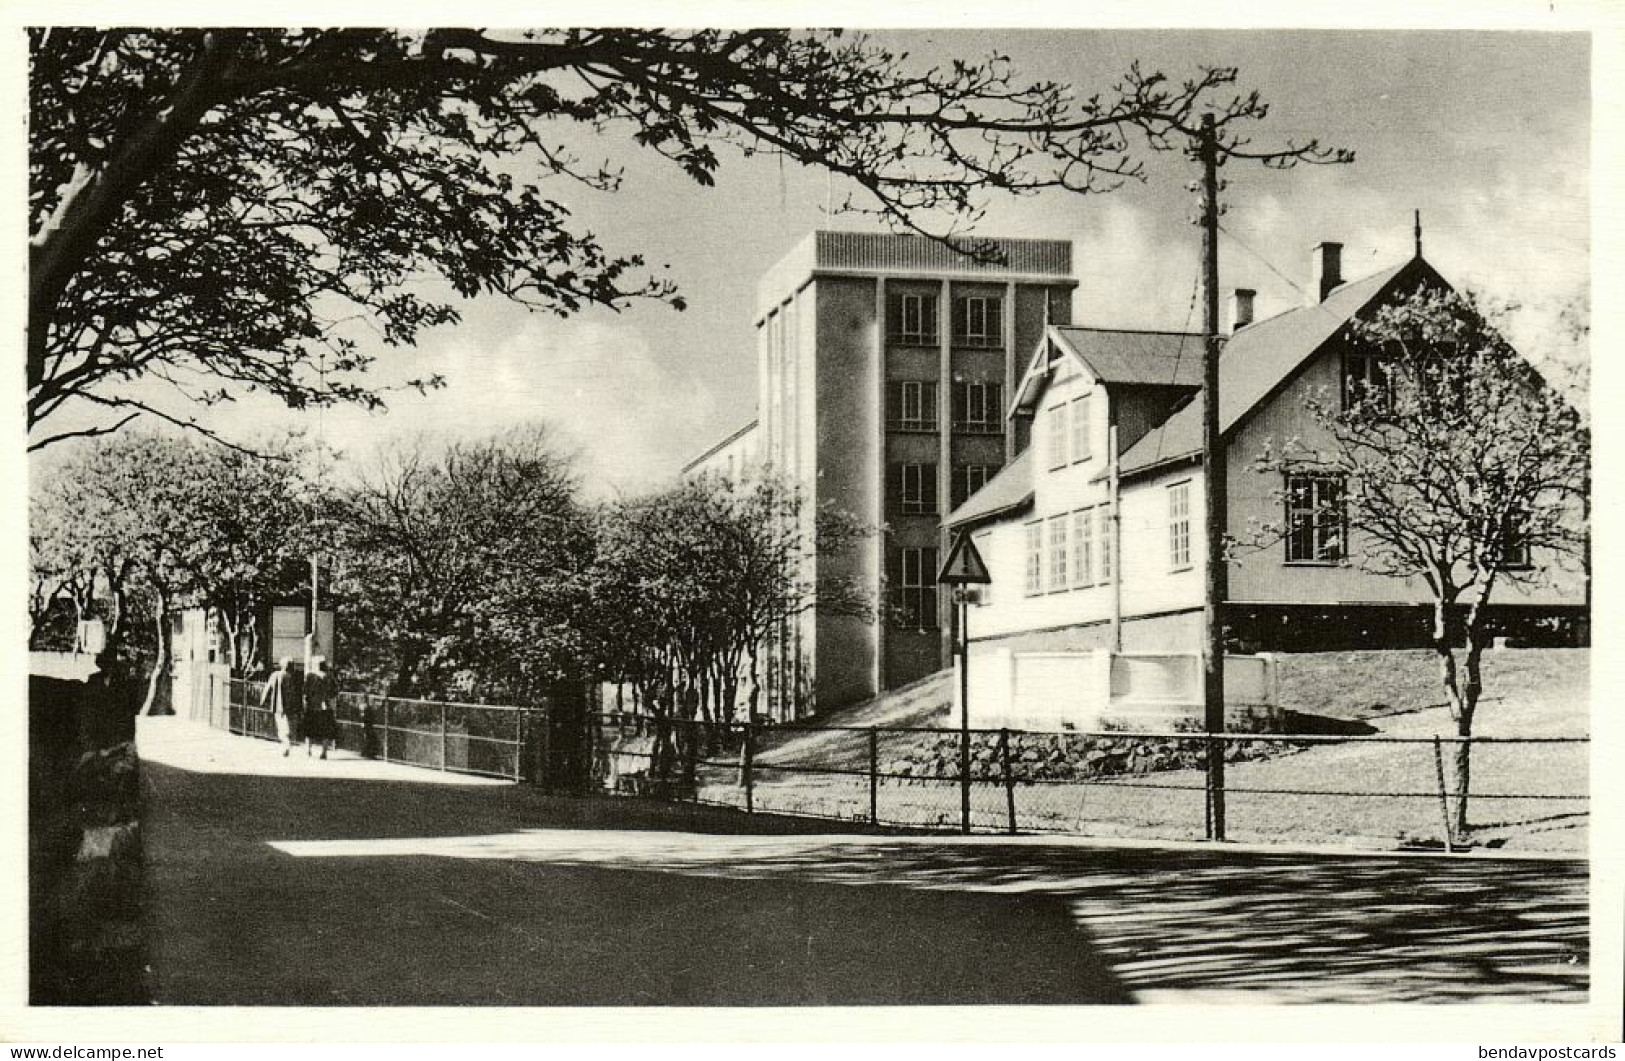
{"x": 1458, "y": 465}
{"x": 214, "y": 210}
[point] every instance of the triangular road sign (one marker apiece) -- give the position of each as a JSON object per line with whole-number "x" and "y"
{"x": 964, "y": 565}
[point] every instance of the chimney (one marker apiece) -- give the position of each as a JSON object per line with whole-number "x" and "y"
{"x": 1328, "y": 271}
{"x": 1241, "y": 309}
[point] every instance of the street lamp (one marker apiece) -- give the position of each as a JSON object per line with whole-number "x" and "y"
{"x": 964, "y": 567}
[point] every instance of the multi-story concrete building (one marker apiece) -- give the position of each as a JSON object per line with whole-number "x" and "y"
{"x": 885, "y": 365}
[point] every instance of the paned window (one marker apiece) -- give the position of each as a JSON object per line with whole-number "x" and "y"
{"x": 1058, "y": 438}
{"x": 1179, "y": 525}
{"x": 1035, "y": 558}
{"x": 1366, "y": 384}
{"x": 1317, "y": 525}
{"x": 1057, "y": 553}
{"x": 969, "y": 478}
{"x": 978, "y": 321}
{"x": 915, "y": 488}
{"x": 1083, "y": 548}
{"x": 1103, "y": 529}
{"x": 911, "y": 320}
{"x": 1080, "y": 428}
{"x": 911, "y": 405}
{"x": 978, "y": 408}
{"x": 915, "y": 593}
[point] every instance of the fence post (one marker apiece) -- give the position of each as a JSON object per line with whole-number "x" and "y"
{"x": 874, "y": 776}
{"x": 750, "y": 773}
{"x": 544, "y": 750}
{"x": 964, "y": 780}
{"x": 1444, "y": 800}
{"x": 386, "y": 729}
{"x": 1009, "y": 779}
{"x": 518, "y": 744}
{"x": 443, "y": 737}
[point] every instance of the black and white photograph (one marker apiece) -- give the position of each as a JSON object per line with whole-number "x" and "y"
{"x": 740, "y": 521}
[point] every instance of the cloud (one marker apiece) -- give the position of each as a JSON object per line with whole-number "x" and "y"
{"x": 628, "y": 414}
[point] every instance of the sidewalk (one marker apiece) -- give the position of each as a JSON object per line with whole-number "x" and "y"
{"x": 277, "y": 881}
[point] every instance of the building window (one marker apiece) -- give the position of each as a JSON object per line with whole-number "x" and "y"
{"x": 978, "y": 321}
{"x": 1179, "y": 525}
{"x": 969, "y": 478}
{"x": 1080, "y": 428}
{"x": 911, "y": 320}
{"x": 1104, "y": 533}
{"x": 915, "y": 488}
{"x": 1057, "y": 436}
{"x": 1035, "y": 558}
{"x": 915, "y": 595}
{"x": 1366, "y": 383}
{"x": 979, "y": 408}
{"x": 1057, "y": 553}
{"x": 911, "y": 405}
{"x": 1083, "y": 548}
{"x": 1317, "y": 530}
{"x": 1515, "y": 553}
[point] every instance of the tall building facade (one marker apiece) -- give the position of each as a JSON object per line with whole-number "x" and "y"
{"x": 885, "y": 368}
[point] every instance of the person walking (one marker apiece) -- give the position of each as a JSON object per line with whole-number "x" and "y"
{"x": 321, "y": 725}
{"x": 284, "y": 697}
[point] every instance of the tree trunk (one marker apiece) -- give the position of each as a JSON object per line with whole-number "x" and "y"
{"x": 755, "y": 685}
{"x": 1472, "y": 686}
{"x": 160, "y": 686}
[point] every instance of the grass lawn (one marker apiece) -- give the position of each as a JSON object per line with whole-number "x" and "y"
{"x": 1361, "y": 792}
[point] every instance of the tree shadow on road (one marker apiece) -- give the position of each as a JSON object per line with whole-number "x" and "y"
{"x": 632, "y": 905}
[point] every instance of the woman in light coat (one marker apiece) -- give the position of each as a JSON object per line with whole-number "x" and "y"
{"x": 284, "y": 697}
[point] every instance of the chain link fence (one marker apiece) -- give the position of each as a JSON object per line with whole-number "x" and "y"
{"x": 1134, "y": 784}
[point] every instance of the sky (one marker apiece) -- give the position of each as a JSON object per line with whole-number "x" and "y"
{"x": 1487, "y": 134}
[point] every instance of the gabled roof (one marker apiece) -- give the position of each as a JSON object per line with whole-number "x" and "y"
{"x": 1262, "y": 356}
{"x": 1116, "y": 356}
{"x": 1006, "y": 493}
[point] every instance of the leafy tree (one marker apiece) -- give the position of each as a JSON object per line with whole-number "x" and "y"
{"x": 694, "y": 583}
{"x": 1462, "y": 469}
{"x": 166, "y": 523}
{"x": 456, "y": 568}
{"x": 214, "y": 210}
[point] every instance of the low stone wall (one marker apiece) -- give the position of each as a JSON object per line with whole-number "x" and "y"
{"x": 84, "y": 845}
{"x": 1071, "y": 756}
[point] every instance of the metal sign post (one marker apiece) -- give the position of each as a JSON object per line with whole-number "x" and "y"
{"x": 964, "y": 567}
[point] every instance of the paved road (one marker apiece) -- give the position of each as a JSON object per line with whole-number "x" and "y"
{"x": 276, "y": 881}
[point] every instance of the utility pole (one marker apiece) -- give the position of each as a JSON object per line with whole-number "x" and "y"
{"x": 311, "y": 648}
{"x": 1215, "y": 585}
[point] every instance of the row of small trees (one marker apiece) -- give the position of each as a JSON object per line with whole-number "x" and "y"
{"x": 471, "y": 570}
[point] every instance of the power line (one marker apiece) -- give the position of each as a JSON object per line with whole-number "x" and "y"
{"x": 1266, "y": 262}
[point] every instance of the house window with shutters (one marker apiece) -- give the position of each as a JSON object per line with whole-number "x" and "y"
{"x": 914, "y": 489}
{"x": 914, "y": 588}
{"x": 1317, "y": 523}
{"x": 911, "y": 320}
{"x": 1083, "y": 547}
{"x": 978, "y": 321}
{"x": 978, "y": 408}
{"x": 1035, "y": 558}
{"x": 911, "y": 405}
